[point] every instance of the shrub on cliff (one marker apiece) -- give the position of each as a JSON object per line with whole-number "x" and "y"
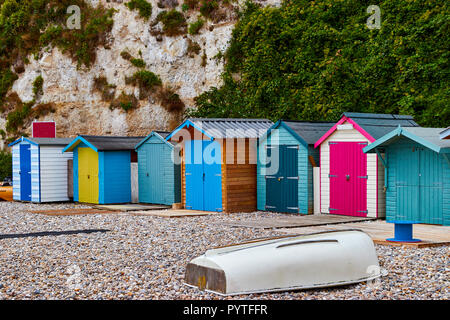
{"x": 174, "y": 22}
{"x": 5, "y": 165}
{"x": 144, "y": 8}
{"x": 312, "y": 60}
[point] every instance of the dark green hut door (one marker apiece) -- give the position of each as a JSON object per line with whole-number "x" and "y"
{"x": 282, "y": 186}
{"x": 419, "y": 184}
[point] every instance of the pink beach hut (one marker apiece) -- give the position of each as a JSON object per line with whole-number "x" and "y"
{"x": 352, "y": 182}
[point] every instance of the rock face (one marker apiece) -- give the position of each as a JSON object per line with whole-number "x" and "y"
{"x": 80, "y": 108}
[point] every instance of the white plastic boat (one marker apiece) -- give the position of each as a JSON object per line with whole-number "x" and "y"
{"x": 316, "y": 260}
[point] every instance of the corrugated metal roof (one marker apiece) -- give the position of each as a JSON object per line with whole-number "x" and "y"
{"x": 377, "y": 125}
{"x": 445, "y": 134}
{"x": 431, "y": 135}
{"x": 112, "y": 143}
{"x": 51, "y": 141}
{"x": 309, "y": 131}
{"x": 232, "y": 128}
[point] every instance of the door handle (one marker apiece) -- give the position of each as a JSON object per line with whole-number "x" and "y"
{"x": 347, "y": 176}
{"x": 89, "y": 176}
{"x": 147, "y": 174}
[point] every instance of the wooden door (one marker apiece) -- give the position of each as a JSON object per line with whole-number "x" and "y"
{"x": 348, "y": 179}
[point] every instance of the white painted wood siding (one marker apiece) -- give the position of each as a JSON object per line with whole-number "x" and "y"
{"x": 372, "y": 162}
{"x": 35, "y": 177}
{"x": 134, "y": 183}
{"x": 54, "y": 173}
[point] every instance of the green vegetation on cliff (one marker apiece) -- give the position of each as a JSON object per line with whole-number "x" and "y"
{"x": 5, "y": 165}
{"x": 27, "y": 26}
{"x": 313, "y": 60}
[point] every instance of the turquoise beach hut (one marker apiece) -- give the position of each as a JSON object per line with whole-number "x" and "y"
{"x": 417, "y": 166}
{"x": 159, "y": 177}
{"x": 286, "y": 157}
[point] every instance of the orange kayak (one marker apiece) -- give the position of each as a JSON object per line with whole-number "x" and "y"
{"x": 6, "y": 193}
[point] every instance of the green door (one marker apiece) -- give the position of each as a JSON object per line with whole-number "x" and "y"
{"x": 282, "y": 187}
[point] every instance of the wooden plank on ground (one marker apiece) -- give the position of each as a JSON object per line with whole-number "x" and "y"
{"x": 131, "y": 207}
{"x": 431, "y": 235}
{"x": 295, "y": 221}
{"x": 71, "y": 212}
{"x": 173, "y": 213}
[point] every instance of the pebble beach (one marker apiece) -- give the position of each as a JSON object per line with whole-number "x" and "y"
{"x": 127, "y": 256}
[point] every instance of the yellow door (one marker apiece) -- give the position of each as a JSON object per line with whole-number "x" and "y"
{"x": 87, "y": 175}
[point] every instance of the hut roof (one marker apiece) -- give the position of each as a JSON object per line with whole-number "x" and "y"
{"x": 371, "y": 125}
{"x": 44, "y": 141}
{"x": 377, "y": 125}
{"x": 227, "y": 128}
{"x": 428, "y": 137}
{"x": 309, "y": 131}
{"x": 162, "y": 135}
{"x": 105, "y": 143}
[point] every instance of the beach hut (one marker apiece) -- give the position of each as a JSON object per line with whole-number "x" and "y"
{"x": 417, "y": 164}
{"x": 159, "y": 177}
{"x": 40, "y": 170}
{"x": 218, "y": 163}
{"x": 352, "y": 182}
{"x": 102, "y": 168}
{"x": 286, "y": 158}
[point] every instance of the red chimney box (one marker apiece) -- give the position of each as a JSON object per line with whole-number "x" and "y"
{"x": 44, "y": 129}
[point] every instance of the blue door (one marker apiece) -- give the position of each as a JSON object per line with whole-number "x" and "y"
{"x": 212, "y": 171}
{"x": 203, "y": 175}
{"x": 25, "y": 172}
{"x": 194, "y": 175}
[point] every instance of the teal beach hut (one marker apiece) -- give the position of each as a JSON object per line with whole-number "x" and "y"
{"x": 417, "y": 166}
{"x": 286, "y": 157}
{"x": 102, "y": 168}
{"x": 159, "y": 177}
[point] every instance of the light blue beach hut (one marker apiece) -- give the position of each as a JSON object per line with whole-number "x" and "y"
{"x": 158, "y": 175}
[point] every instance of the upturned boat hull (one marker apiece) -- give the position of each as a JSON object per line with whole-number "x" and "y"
{"x": 6, "y": 193}
{"x": 291, "y": 263}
